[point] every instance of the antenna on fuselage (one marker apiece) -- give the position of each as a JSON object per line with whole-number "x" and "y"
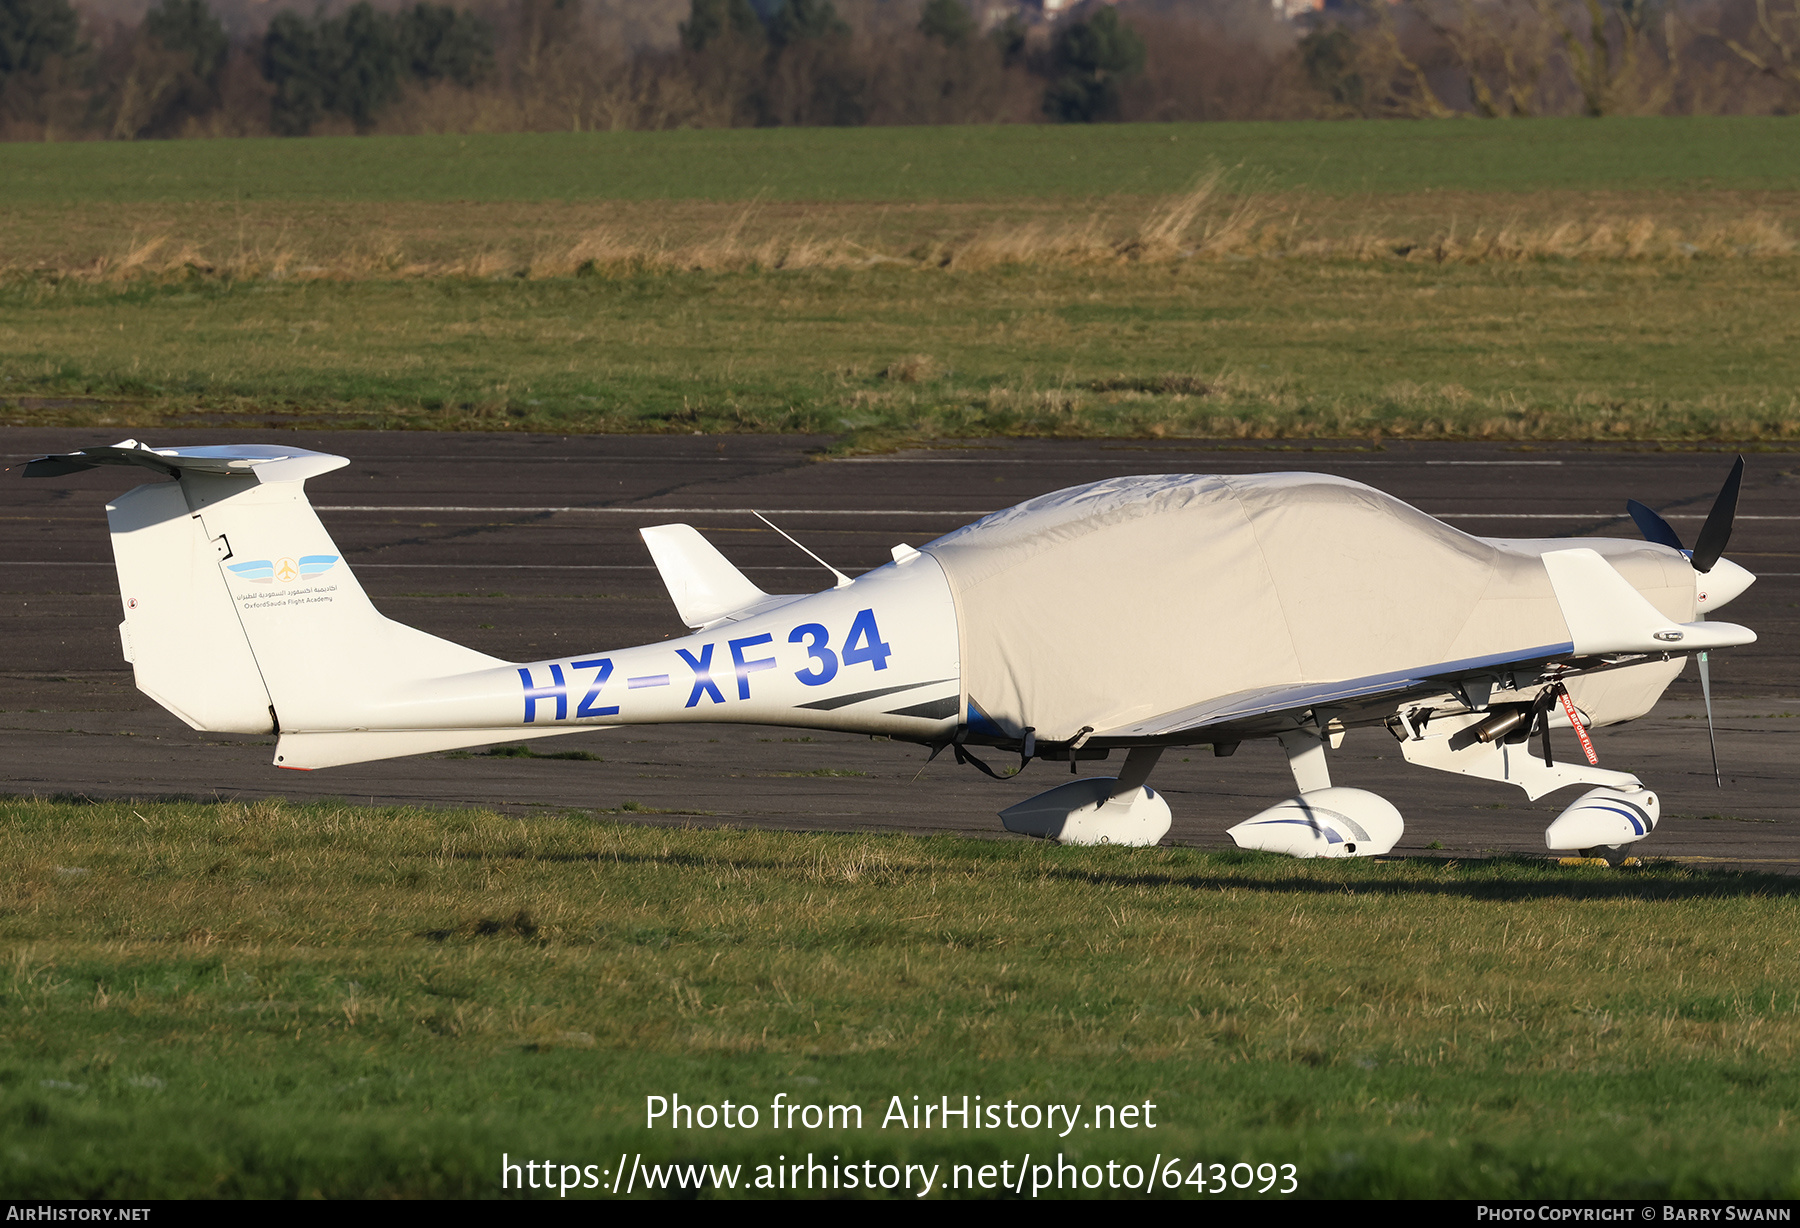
{"x": 842, "y": 579}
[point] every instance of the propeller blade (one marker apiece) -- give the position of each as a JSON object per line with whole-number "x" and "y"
{"x": 1544, "y": 703}
{"x": 1653, "y": 527}
{"x": 1706, "y": 690}
{"x": 1717, "y": 530}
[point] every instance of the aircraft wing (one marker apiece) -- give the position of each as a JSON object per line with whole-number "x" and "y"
{"x": 1267, "y": 710}
{"x": 1610, "y": 624}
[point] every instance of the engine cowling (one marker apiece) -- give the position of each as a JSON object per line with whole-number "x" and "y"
{"x": 1334, "y": 822}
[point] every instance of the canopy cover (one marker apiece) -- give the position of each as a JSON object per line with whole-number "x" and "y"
{"x": 1109, "y": 603}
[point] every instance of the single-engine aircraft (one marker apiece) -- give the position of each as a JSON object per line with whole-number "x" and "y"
{"x": 1127, "y": 615}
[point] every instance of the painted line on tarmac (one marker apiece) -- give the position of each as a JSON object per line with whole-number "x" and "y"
{"x": 553, "y": 567}
{"x": 917, "y": 511}
{"x": 360, "y": 566}
{"x": 1323, "y": 458}
{"x": 1761, "y": 575}
{"x": 675, "y": 511}
{"x": 1109, "y": 457}
{"x": 609, "y": 510}
{"x": 1581, "y": 516}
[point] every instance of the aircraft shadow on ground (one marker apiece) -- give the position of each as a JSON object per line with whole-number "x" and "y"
{"x": 1666, "y": 881}
{"x": 1651, "y": 883}
{"x": 1648, "y": 883}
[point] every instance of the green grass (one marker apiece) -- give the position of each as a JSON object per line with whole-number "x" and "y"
{"x": 918, "y": 164}
{"x": 318, "y": 1000}
{"x": 1532, "y": 280}
{"x": 1700, "y": 350}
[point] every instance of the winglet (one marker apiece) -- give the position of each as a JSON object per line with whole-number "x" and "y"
{"x": 702, "y": 583}
{"x": 1607, "y": 615}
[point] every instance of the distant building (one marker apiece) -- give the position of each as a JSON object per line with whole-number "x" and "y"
{"x": 1294, "y": 10}
{"x": 1031, "y": 12}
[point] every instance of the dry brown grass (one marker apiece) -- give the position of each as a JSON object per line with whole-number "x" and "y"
{"x": 1655, "y": 316}
{"x": 1206, "y": 223}
{"x": 1606, "y": 238}
{"x": 911, "y": 369}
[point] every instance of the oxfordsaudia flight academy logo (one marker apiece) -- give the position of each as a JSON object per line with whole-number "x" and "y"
{"x": 284, "y": 570}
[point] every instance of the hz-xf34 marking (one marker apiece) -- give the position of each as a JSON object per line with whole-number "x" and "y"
{"x": 863, "y": 645}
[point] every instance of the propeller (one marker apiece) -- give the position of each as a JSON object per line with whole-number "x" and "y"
{"x": 1714, "y": 534}
{"x": 1717, "y": 529}
{"x": 1654, "y": 527}
{"x": 1709, "y": 547}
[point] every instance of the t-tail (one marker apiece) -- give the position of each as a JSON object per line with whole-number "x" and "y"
{"x": 242, "y": 616}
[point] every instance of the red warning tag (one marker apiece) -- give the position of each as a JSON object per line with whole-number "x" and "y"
{"x": 1587, "y": 743}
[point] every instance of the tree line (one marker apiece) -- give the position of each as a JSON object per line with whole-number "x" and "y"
{"x": 536, "y": 65}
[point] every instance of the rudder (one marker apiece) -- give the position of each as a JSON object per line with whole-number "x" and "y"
{"x": 181, "y": 632}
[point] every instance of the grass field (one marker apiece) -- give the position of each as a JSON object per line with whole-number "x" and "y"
{"x": 1512, "y": 280}
{"x": 222, "y": 1000}
{"x": 228, "y": 1000}
{"x": 919, "y": 164}
{"x": 1695, "y": 351}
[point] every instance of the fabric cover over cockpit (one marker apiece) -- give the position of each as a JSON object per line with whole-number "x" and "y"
{"x": 1113, "y": 602}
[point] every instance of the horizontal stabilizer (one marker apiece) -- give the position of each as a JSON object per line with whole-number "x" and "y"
{"x": 266, "y": 462}
{"x": 1607, "y": 615}
{"x": 703, "y": 584}
{"x": 322, "y": 750}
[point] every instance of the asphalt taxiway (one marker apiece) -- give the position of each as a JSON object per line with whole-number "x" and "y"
{"x": 526, "y": 546}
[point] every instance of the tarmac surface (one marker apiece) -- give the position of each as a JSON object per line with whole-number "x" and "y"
{"x": 526, "y": 546}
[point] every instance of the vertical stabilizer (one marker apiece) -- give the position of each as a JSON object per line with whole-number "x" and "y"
{"x": 181, "y": 631}
{"x": 241, "y": 615}
{"x": 330, "y": 660}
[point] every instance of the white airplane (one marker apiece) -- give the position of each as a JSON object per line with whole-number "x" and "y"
{"x": 1128, "y": 615}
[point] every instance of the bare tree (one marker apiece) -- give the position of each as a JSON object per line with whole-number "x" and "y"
{"x": 1363, "y": 66}
{"x": 153, "y": 78}
{"x": 1409, "y": 88}
{"x": 1502, "y": 47}
{"x": 1609, "y": 60}
{"x": 1232, "y": 59}
{"x": 1773, "y": 46}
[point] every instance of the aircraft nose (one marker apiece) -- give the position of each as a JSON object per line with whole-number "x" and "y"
{"x": 1725, "y": 582}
